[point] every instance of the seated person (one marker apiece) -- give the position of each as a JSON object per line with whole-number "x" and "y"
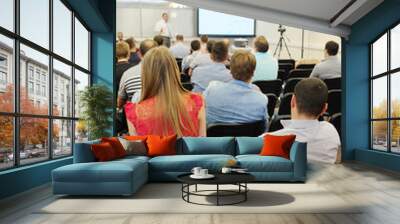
{"x": 165, "y": 107}
{"x": 159, "y": 40}
{"x": 308, "y": 103}
{"x": 179, "y": 50}
{"x": 202, "y": 58}
{"x": 123, "y": 54}
{"x": 237, "y": 101}
{"x": 215, "y": 71}
{"x": 134, "y": 58}
{"x": 194, "y": 51}
{"x": 203, "y": 43}
{"x": 267, "y": 65}
{"x": 330, "y": 67}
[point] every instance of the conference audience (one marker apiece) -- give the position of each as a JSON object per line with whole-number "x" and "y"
{"x": 308, "y": 103}
{"x": 194, "y": 51}
{"x": 159, "y": 40}
{"x": 236, "y": 101}
{"x": 203, "y": 42}
{"x": 330, "y": 67}
{"x": 202, "y": 58}
{"x": 120, "y": 37}
{"x": 267, "y": 66}
{"x": 179, "y": 49}
{"x": 123, "y": 54}
{"x": 214, "y": 71}
{"x": 134, "y": 58}
{"x": 165, "y": 107}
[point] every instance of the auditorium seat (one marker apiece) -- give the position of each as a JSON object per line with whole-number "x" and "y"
{"x": 282, "y": 74}
{"x": 270, "y": 86}
{"x": 185, "y": 78}
{"x": 333, "y": 83}
{"x": 299, "y": 73}
{"x": 224, "y": 129}
{"x": 336, "y": 121}
{"x": 287, "y": 68}
{"x": 179, "y": 62}
{"x": 188, "y": 86}
{"x": 305, "y": 66}
{"x": 334, "y": 101}
{"x": 287, "y": 61}
{"x": 272, "y": 100}
{"x": 290, "y": 84}
{"x": 275, "y": 123}
{"x": 284, "y": 106}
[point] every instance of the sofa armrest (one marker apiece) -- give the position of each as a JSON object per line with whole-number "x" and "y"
{"x": 83, "y": 152}
{"x": 298, "y": 155}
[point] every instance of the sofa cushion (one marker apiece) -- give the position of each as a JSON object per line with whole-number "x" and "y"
{"x": 206, "y": 145}
{"x": 83, "y": 152}
{"x": 185, "y": 163}
{"x": 257, "y": 163}
{"x": 249, "y": 145}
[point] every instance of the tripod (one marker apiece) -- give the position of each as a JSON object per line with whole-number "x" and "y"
{"x": 282, "y": 42}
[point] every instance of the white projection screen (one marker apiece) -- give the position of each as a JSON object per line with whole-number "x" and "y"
{"x": 225, "y": 25}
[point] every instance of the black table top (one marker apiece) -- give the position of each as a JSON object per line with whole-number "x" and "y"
{"x": 220, "y": 178}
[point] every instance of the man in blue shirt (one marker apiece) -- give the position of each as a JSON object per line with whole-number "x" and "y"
{"x": 215, "y": 71}
{"x": 267, "y": 65}
{"x": 236, "y": 101}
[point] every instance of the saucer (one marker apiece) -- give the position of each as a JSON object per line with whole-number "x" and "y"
{"x": 208, "y": 176}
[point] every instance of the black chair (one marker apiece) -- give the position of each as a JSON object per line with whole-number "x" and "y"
{"x": 290, "y": 84}
{"x": 287, "y": 68}
{"x": 336, "y": 121}
{"x": 282, "y": 74}
{"x": 334, "y": 101}
{"x": 272, "y": 100}
{"x": 270, "y": 86}
{"x": 333, "y": 83}
{"x": 179, "y": 62}
{"x": 251, "y": 129}
{"x": 185, "y": 78}
{"x": 275, "y": 123}
{"x": 284, "y": 106}
{"x": 299, "y": 73}
{"x": 188, "y": 86}
{"x": 287, "y": 61}
{"x": 305, "y": 66}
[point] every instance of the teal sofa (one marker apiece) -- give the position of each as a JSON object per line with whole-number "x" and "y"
{"x": 125, "y": 176}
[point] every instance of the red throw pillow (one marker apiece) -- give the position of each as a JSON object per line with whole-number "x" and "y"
{"x": 161, "y": 146}
{"x": 277, "y": 145}
{"x": 103, "y": 152}
{"x": 116, "y": 145}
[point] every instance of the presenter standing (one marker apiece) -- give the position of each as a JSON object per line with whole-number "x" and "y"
{"x": 163, "y": 29}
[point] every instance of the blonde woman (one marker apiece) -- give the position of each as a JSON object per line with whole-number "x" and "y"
{"x": 165, "y": 107}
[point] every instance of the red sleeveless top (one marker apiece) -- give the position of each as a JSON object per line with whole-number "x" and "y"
{"x": 143, "y": 117}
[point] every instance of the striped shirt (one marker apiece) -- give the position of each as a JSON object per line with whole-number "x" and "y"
{"x": 131, "y": 82}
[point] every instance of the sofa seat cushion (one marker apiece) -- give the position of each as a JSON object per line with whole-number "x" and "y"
{"x": 257, "y": 163}
{"x": 113, "y": 171}
{"x": 185, "y": 163}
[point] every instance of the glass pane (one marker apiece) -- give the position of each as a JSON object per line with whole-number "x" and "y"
{"x": 35, "y": 21}
{"x": 379, "y": 135}
{"x": 33, "y": 139}
{"x": 81, "y": 45}
{"x": 62, "y": 138}
{"x": 6, "y": 142}
{"x": 62, "y": 29}
{"x": 395, "y": 47}
{"x": 81, "y": 81}
{"x": 7, "y": 14}
{"x": 379, "y": 97}
{"x": 62, "y": 89}
{"x": 6, "y": 74}
{"x": 379, "y": 55}
{"x": 34, "y": 97}
{"x": 395, "y": 138}
{"x": 81, "y": 131}
{"x": 395, "y": 95}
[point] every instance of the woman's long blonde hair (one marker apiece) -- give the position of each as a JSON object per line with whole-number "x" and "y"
{"x": 161, "y": 79}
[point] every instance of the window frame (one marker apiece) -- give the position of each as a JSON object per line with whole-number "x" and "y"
{"x": 388, "y": 74}
{"x": 16, "y": 113}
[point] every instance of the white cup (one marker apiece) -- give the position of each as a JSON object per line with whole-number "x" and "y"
{"x": 203, "y": 172}
{"x": 226, "y": 170}
{"x": 196, "y": 171}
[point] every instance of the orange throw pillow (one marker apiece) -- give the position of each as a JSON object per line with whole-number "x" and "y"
{"x": 103, "y": 152}
{"x": 161, "y": 146}
{"x": 277, "y": 145}
{"x": 135, "y": 138}
{"x": 116, "y": 145}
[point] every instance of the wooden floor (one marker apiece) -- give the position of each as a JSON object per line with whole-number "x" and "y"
{"x": 379, "y": 189}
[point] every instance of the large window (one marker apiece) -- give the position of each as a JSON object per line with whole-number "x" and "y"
{"x": 385, "y": 91}
{"x": 44, "y": 64}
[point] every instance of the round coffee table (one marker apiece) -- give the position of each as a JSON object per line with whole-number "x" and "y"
{"x": 238, "y": 179}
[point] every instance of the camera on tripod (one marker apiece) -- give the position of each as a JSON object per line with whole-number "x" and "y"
{"x": 281, "y": 29}
{"x": 282, "y": 42}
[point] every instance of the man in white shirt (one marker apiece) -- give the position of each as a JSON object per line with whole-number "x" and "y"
{"x": 179, "y": 50}
{"x": 203, "y": 43}
{"x": 202, "y": 59}
{"x": 195, "y": 50}
{"x": 163, "y": 29}
{"x": 308, "y": 103}
{"x": 330, "y": 67}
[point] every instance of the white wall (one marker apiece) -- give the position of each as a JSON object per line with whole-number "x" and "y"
{"x": 138, "y": 19}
